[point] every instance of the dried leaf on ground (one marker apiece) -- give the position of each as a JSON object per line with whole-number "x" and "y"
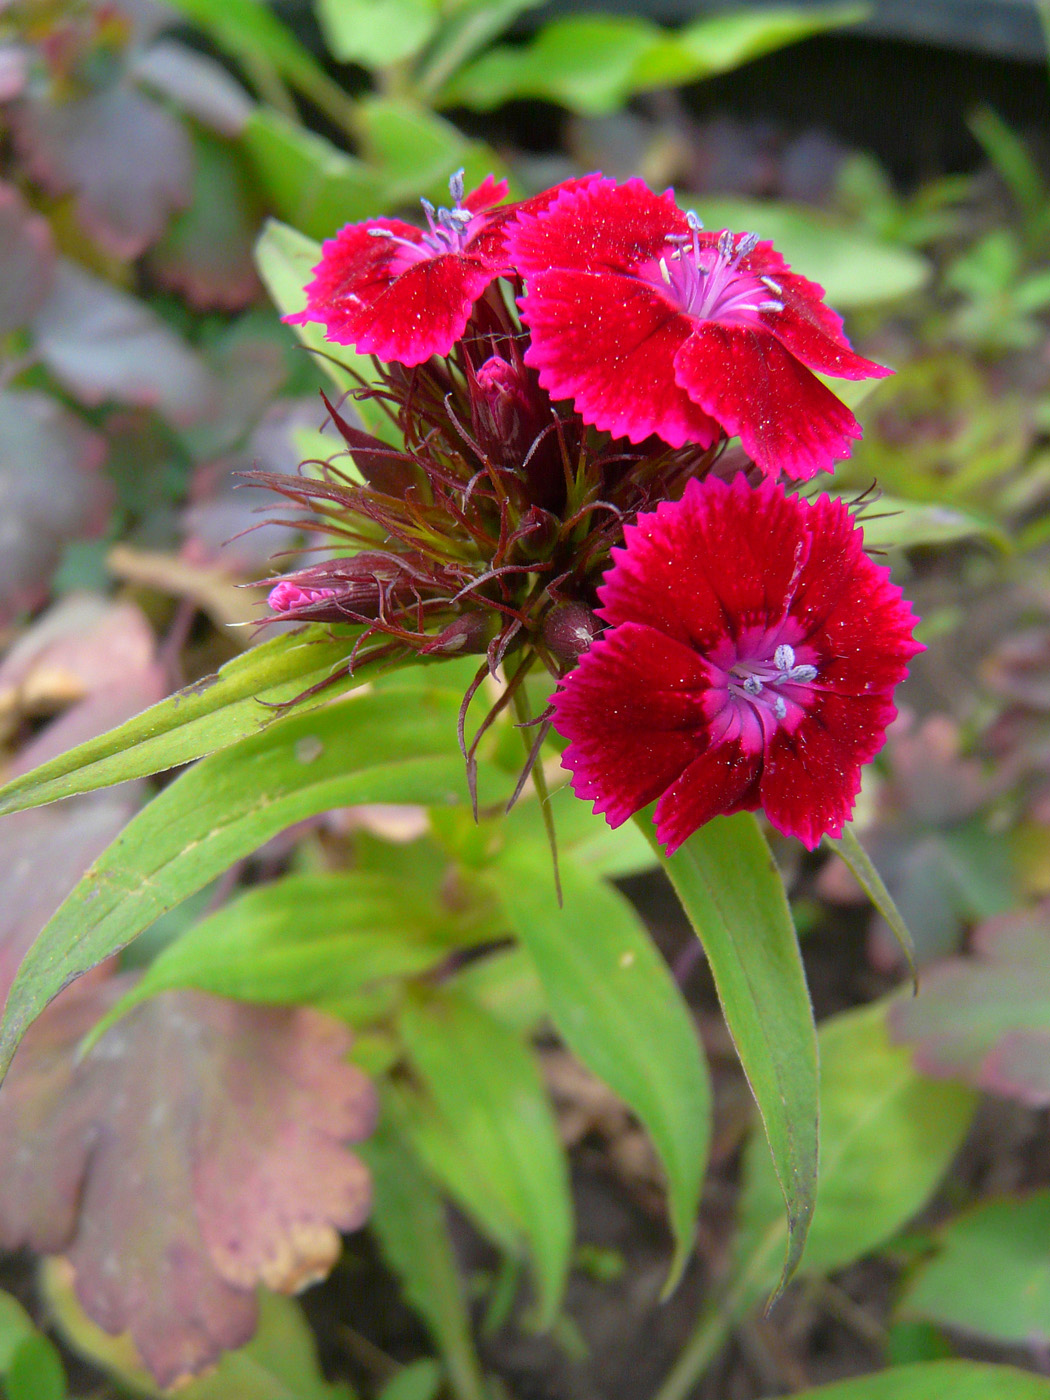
{"x": 986, "y": 1018}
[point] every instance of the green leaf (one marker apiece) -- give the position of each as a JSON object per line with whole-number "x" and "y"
{"x": 937, "y": 1380}
{"x": 419, "y": 1380}
{"x": 364, "y": 748}
{"x": 415, "y": 151}
{"x": 732, "y": 892}
{"x": 592, "y": 64}
{"x": 471, "y": 27}
{"x": 887, "y": 1136}
{"x": 249, "y": 31}
{"x": 306, "y": 940}
{"x": 238, "y": 701}
{"x": 991, "y": 1273}
{"x": 486, "y": 1086}
{"x": 15, "y": 1326}
{"x": 587, "y": 838}
{"x": 35, "y": 1371}
{"x": 376, "y": 33}
{"x": 898, "y": 524}
{"x": 871, "y": 882}
{"x": 409, "y": 1219}
{"x": 616, "y": 1006}
{"x": 854, "y": 270}
{"x": 505, "y": 984}
{"x": 312, "y": 183}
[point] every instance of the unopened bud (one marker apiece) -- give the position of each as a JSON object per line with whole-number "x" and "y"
{"x": 568, "y": 631}
{"x": 467, "y": 634}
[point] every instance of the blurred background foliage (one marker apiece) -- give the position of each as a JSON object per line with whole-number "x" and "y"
{"x": 165, "y": 172}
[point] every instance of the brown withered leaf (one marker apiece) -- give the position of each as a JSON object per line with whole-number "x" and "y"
{"x": 128, "y": 163}
{"x": 196, "y": 1151}
{"x": 986, "y": 1018}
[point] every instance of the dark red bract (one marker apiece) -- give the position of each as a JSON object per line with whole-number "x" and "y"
{"x": 651, "y": 325}
{"x": 750, "y": 662}
{"x": 401, "y": 293}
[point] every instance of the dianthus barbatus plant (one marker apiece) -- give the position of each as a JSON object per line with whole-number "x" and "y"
{"x": 524, "y": 450}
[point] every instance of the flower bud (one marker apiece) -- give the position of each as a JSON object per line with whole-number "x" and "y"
{"x": 568, "y": 630}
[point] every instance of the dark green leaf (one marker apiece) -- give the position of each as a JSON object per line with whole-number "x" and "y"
{"x": 732, "y": 892}
{"x": 364, "y": 748}
{"x": 312, "y": 183}
{"x": 377, "y": 33}
{"x": 616, "y": 1006}
{"x": 15, "y": 1326}
{"x": 419, "y": 1380}
{"x": 485, "y": 1085}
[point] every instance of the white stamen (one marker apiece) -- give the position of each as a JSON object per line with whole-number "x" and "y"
{"x": 725, "y": 243}
{"x": 747, "y": 244}
{"x": 770, "y": 306}
{"x": 753, "y": 685}
{"x": 784, "y": 657}
{"x": 664, "y": 273}
{"x": 780, "y": 709}
{"x": 803, "y": 673}
{"x": 693, "y": 220}
{"x": 455, "y": 186}
{"x": 774, "y": 287}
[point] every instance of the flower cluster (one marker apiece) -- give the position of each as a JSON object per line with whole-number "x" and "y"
{"x": 564, "y": 375}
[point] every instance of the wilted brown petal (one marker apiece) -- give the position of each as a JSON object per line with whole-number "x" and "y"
{"x": 127, "y": 161}
{"x": 204, "y": 1140}
{"x": 103, "y": 344}
{"x": 27, "y": 257}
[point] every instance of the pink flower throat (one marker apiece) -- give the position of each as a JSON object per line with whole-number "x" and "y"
{"x": 708, "y": 282}
{"x": 449, "y": 229}
{"x": 755, "y": 688}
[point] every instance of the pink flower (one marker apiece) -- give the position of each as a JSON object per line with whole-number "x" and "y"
{"x": 393, "y": 290}
{"x": 650, "y": 325}
{"x": 750, "y": 662}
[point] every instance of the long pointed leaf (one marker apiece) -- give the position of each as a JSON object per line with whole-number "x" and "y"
{"x": 732, "y": 892}
{"x": 385, "y": 747}
{"x": 237, "y": 701}
{"x": 616, "y": 1006}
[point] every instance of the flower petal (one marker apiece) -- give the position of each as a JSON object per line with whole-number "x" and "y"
{"x": 721, "y": 781}
{"x": 705, "y": 567}
{"x": 631, "y": 709}
{"x": 812, "y": 775}
{"x": 608, "y": 342}
{"x": 786, "y": 419}
{"x": 593, "y": 225}
{"x": 849, "y": 610}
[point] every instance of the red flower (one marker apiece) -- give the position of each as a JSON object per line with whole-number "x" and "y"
{"x": 391, "y": 290}
{"x": 651, "y": 325}
{"x": 751, "y": 661}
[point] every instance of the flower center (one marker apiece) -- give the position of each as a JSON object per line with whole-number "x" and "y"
{"x": 755, "y": 689}
{"x": 708, "y": 282}
{"x": 449, "y": 229}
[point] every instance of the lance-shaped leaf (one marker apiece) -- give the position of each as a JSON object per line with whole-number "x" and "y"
{"x": 732, "y": 892}
{"x": 986, "y": 1018}
{"x": 374, "y": 748}
{"x": 242, "y": 698}
{"x": 485, "y": 1085}
{"x": 616, "y": 1006}
{"x": 196, "y": 1151}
